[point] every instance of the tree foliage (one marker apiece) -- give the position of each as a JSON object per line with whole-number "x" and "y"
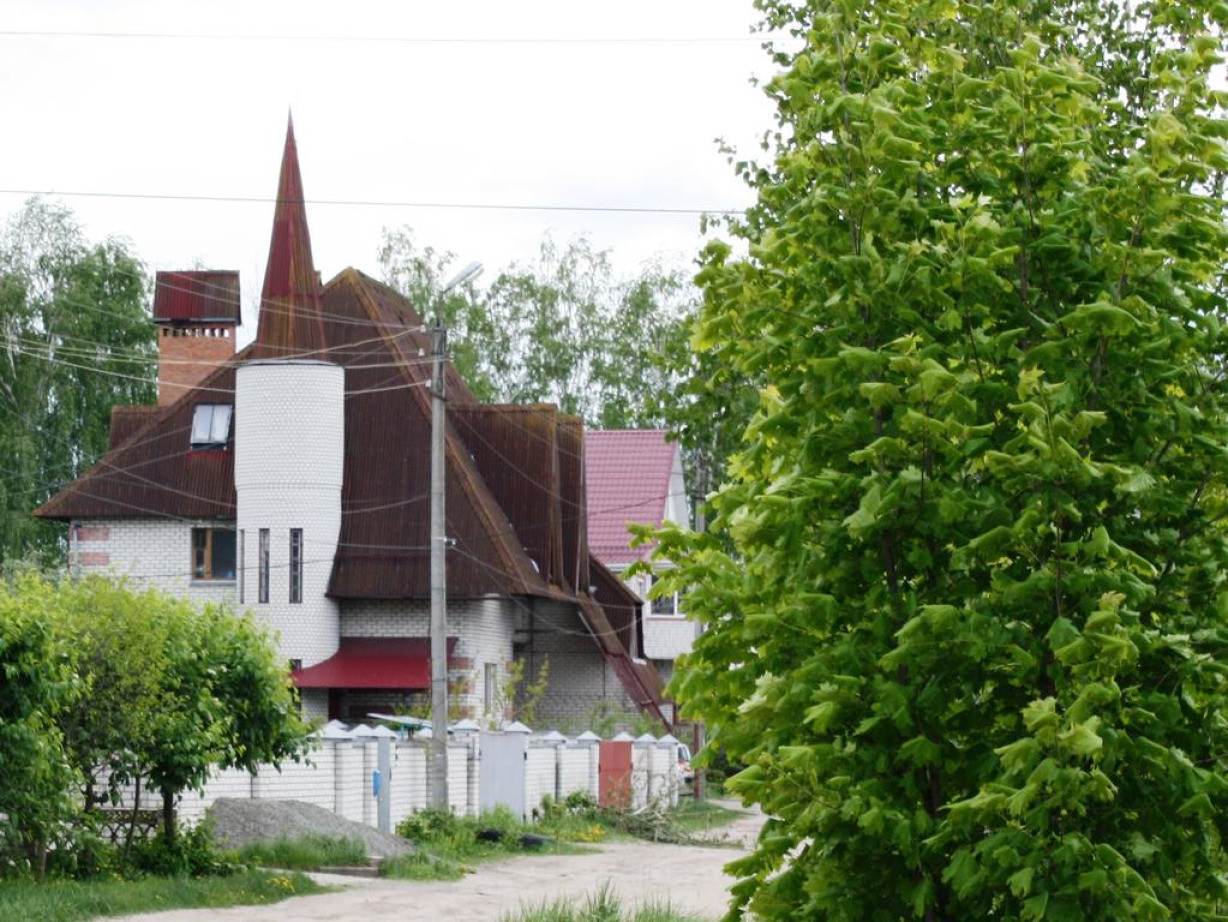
{"x": 75, "y": 339}
{"x": 971, "y": 639}
{"x": 162, "y": 694}
{"x": 39, "y": 686}
{"x": 562, "y": 329}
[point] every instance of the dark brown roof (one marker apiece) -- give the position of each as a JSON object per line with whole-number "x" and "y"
{"x": 516, "y": 451}
{"x": 197, "y": 296}
{"x": 127, "y": 421}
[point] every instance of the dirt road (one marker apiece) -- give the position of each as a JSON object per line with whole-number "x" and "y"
{"x": 639, "y": 872}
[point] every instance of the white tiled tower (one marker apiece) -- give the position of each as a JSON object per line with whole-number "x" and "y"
{"x": 289, "y": 455}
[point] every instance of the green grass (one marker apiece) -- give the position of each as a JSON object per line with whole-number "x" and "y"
{"x": 70, "y": 901}
{"x": 448, "y": 845}
{"x": 305, "y": 854}
{"x": 700, "y": 816}
{"x": 602, "y": 906}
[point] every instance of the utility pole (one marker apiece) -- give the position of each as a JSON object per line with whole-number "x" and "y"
{"x": 439, "y": 576}
{"x": 439, "y": 551}
{"x": 699, "y": 781}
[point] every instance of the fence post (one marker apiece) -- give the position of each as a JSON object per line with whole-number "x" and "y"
{"x": 593, "y": 742}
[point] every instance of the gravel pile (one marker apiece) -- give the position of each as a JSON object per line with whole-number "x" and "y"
{"x": 237, "y": 822}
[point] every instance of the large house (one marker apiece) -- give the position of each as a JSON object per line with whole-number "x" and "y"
{"x": 635, "y": 477}
{"x": 292, "y": 477}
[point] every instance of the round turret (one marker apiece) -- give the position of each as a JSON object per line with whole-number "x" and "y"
{"x": 289, "y": 460}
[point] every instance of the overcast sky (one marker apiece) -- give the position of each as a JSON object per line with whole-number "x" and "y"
{"x": 492, "y": 103}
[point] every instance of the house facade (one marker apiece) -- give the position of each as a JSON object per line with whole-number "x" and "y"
{"x": 292, "y": 478}
{"x": 635, "y": 476}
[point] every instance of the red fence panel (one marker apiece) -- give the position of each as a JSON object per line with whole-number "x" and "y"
{"x": 614, "y": 775}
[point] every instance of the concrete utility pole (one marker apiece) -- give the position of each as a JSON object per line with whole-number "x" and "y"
{"x": 699, "y": 780}
{"x": 439, "y": 550}
{"x": 439, "y": 578}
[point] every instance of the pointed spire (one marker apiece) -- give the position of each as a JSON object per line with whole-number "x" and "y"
{"x": 290, "y": 317}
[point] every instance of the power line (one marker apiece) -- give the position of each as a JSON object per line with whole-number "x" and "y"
{"x": 368, "y": 203}
{"x": 387, "y": 39}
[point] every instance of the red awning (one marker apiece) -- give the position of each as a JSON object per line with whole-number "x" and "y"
{"x": 374, "y": 662}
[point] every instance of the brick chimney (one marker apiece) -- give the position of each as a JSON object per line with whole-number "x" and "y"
{"x": 196, "y": 314}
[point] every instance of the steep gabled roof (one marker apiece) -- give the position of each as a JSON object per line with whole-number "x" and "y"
{"x": 628, "y": 482}
{"x": 384, "y": 544}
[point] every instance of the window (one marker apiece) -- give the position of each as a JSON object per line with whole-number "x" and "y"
{"x": 213, "y": 553}
{"x": 664, "y": 605}
{"x": 242, "y": 564}
{"x": 492, "y": 689}
{"x": 263, "y": 575}
{"x": 211, "y": 425}
{"x": 296, "y": 565}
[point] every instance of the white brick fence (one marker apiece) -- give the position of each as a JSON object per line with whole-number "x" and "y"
{"x": 337, "y": 775}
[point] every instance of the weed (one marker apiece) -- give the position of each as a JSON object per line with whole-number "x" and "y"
{"x": 313, "y": 851}
{"x": 602, "y": 906}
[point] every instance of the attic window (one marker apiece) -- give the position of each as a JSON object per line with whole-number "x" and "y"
{"x": 211, "y": 425}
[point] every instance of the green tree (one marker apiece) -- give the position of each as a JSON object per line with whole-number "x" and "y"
{"x": 119, "y": 638}
{"x": 36, "y": 778}
{"x": 563, "y": 328}
{"x": 75, "y": 339}
{"x": 970, "y": 641}
{"x": 226, "y": 702}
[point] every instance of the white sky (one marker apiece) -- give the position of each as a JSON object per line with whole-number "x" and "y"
{"x": 615, "y": 124}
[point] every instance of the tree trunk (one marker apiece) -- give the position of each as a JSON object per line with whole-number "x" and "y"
{"x": 168, "y": 817}
{"x": 136, "y": 806}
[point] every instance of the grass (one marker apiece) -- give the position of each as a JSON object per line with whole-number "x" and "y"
{"x": 448, "y": 845}
{"x": 69, "y": 901}
{"x": 701, "y": 816}
{"x": 602, "y": 906}
{"x": 305, "y": 854}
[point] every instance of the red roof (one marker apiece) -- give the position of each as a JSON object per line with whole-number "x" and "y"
{"x": 374, "y": 662}
{"x": 628, "y": 473}
{"x": 290, "y": 320}
{"x": 197, "y": 296}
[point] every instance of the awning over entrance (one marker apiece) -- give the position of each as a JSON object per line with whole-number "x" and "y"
{"x": 374, "y": 662}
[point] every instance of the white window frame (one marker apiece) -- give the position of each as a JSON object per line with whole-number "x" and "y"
{"x": 211, "y": 425}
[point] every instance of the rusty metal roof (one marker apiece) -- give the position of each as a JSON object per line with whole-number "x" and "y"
{"x": 289, "y": 320}
{"x": 197, "y": 296}
{"x": 127, "y": 421}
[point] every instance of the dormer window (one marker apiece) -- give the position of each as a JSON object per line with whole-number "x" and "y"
{"x": 211, "y": 425}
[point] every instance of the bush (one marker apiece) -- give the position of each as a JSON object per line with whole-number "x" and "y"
{"x": 190, "y": 854}
{"x": 429, "y": 825}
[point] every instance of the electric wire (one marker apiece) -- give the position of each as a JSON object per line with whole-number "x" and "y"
{"x": 680, "y": 211}
{"x": 680, "y": 40}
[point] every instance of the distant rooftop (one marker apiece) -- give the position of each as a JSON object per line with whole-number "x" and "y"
{"x": 628, "y": 473}
{"x": 197, "y": 296}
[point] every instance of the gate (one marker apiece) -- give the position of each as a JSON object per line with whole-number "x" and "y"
{"x": 501, "y": 772}
{"x": 614, "y": 775}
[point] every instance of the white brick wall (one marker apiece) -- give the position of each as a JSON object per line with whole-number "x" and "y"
{"x": 539, "y": 775}
{"x": 483, "y": 628}
{"x": 668, "y": 637}
{"x": 337, "y": 777}
{"x": 289, "y": 460}
{"x": 580, "y": 679}
{"x": 575, "y": 761}
{"x": 150, "y": 553}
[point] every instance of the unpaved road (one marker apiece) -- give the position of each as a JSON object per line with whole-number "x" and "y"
{"x": 689, "y": 877}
